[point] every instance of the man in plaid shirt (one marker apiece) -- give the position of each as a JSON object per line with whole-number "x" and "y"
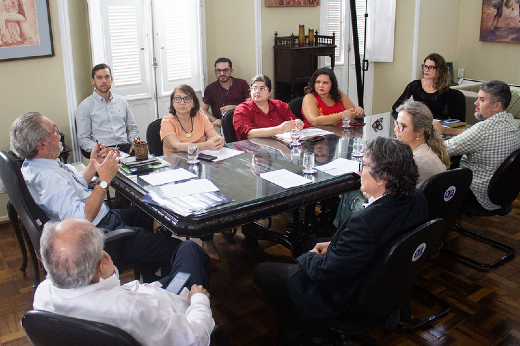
{"x": 485, "y": 145}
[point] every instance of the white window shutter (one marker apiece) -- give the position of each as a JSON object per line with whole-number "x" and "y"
{"x": 335, "y": 25}
{"x": 118, "y": 39}
{"x": 177, "y": 26}
{"x": 380, "y": 31}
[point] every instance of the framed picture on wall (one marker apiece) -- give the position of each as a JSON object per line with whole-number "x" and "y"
{"x": 499, "y": 21}
{"x": 297, "y": 3}
{"x": 25, "y": 29}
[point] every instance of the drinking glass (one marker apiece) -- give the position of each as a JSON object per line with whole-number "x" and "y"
{"x": 308, "y": 163}
{"x": 295, "y": 136}
{"x": 193, "y": 153}
{"x": 345, "y": 123}
{"x": 357, "y": 147}
{"x": 295, "y": 154}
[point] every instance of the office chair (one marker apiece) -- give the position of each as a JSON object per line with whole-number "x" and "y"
{"x": 444, "y": 194}
{"x": 45, "y": 328}
{"x": 153, "y": 137}
{"x": 388, "y": 283}
{"x": 228, "y": 130}
{"x": 296, "y": 106}
{"x": 503, "y": 189}
{"x": 33, "y": 217}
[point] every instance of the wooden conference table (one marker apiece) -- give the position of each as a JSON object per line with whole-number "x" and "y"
{"x": 253, "y": 198}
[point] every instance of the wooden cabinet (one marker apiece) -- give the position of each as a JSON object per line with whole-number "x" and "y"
{"x": 294, "y": 64}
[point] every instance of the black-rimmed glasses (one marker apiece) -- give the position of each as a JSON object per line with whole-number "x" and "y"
{"x": 219, "y": 71}
{"x": 178, "y": 99}
{"x": 428, "y": 67}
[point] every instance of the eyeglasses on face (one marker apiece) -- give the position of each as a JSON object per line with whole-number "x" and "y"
{"x": 219, "y": 71}
{"x": 262, "y": 88}
{"x": 429, "y": 68}
{"x": 178, "y": 99}
{"x": 399, "y": 126}
{"x": 362, "y": 166}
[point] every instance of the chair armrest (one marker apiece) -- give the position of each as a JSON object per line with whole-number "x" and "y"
{"x": 117, "y": 234}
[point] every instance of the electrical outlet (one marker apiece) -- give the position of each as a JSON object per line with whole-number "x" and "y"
{"x": 460, "y": 72}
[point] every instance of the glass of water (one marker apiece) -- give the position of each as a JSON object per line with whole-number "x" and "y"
{"x": 308, "y": 163}
{"x": 345, "y": 123}
{"x": 358, "y": 147}
{"x": 295, "y": 136}
{"x": 193, "y": 153}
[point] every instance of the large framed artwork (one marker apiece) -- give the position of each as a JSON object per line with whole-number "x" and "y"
{"x": 500, "y": 21}
{"x": 25, "y": 29}
{"x": 297, "y": 3}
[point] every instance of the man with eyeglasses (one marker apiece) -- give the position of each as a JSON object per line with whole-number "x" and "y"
{"x": 105, "y": 117}
{"x": 485, "y": 145}
{"x": 63, "y": 193}
{"x": 324, "y": 281}
{"x": 225, "y": 93}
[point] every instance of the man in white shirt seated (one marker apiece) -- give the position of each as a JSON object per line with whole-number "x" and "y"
{"x": 82, "y": 282}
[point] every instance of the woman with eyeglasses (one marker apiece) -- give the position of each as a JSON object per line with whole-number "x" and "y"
{"x": 414, "y": 127}
{"x": 324, "y": 103}
{"x": 434, "y": 91}
{"x": 261, "y": 116}
{"x": 186, "y": 124}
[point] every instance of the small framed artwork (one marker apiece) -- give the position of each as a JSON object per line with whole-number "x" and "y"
{"x": 296, "y": 3}
{"x": 25, "y": 29}
{"x": 500, "y": 21}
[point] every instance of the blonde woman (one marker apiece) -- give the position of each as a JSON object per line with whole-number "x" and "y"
{"x": 414, "y": 127}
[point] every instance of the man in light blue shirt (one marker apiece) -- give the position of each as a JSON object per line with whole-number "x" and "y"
{"x": 105, "y": 117}
{"x": 63, "y": 193}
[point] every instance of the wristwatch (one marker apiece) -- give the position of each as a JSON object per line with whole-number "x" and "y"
{"x": 103, "y": 184}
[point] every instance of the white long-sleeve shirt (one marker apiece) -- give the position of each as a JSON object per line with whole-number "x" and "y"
{"x": 152, "y": 315}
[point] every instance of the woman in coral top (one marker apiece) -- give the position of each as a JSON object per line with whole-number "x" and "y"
{"x": 186, "y": 125}
{"x": 324, "y": 103}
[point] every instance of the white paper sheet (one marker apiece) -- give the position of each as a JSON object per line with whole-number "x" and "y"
{"x": 168, "y": 176}
{"x": 305, "y": 133}
{"x": 285, "y": 178}
{"x": 340, "y": 166}
{"x": 222, "y": 154}
{"x": 191, "y": 187}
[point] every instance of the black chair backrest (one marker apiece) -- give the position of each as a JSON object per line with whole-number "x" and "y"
{"x": 389, "y": 283}
{"x": 32, "y": 216}
{"x": 45, "y": 328}
{"x": 153, "y": 137}
{"x": 444, "y": 193}
{"x": 228, "y": 130}
{"x": 296, "y": 106}
{"x": 504, "y": 186}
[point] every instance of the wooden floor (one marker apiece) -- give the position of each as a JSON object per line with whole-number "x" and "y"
{"x": 485, "y": 303}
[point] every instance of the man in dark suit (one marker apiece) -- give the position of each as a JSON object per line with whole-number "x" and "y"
{"x": 323, "y": 283}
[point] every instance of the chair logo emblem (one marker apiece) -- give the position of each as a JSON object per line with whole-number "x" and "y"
{"x": 418, "y": 252}
{"x": 450, "y": 192}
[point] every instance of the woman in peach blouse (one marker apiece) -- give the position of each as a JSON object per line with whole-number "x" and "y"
{"x": 186, "y": 124}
